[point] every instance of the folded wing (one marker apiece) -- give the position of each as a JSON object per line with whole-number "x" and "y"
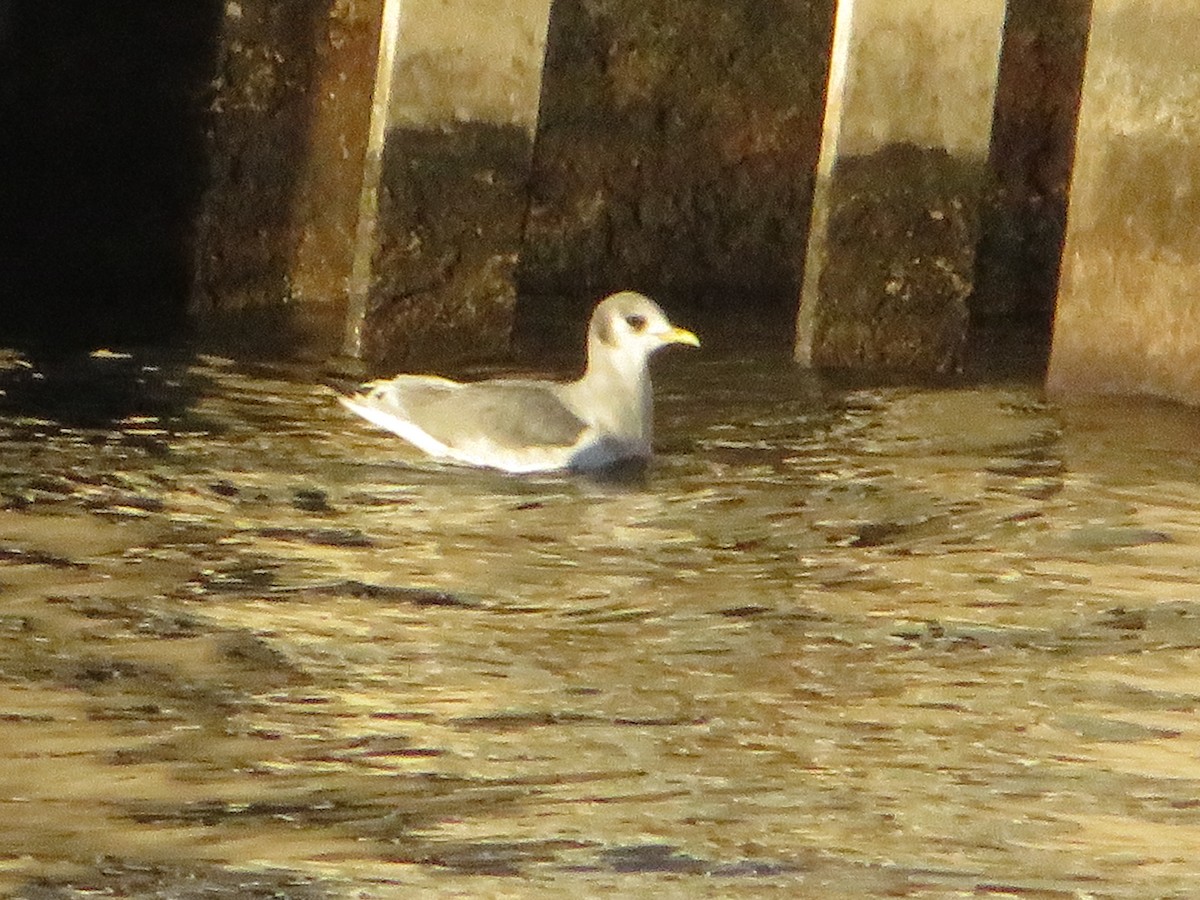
{"x": 511, "y": 424}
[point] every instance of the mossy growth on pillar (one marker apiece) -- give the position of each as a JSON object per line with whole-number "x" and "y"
{"x": 897, "y": 261}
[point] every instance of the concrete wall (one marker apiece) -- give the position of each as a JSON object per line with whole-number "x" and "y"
{"x": 1128, "y": 317}
{"x": 675, "y": 151}
{"x": 675, "y": 146}
{"x": 261, "y": 112}
{"x": 326, "y": 206}
{"x": 463, "y": 61}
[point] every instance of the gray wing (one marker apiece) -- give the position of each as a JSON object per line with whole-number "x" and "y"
{"x": 508, "y": 413}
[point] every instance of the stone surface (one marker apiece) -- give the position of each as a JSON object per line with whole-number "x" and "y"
{"x": 674, "y": 151}
{"x": 902, "y": 175}
{"x": 289, "y": 120}
{"x": 262, "y": 112}
{"x": 461, "y": 60}
{"x": 1128, "y": 315}
{"x": 921, "y": 72}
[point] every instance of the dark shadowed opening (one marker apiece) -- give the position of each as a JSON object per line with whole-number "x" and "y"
{"x": 102, "y": 115}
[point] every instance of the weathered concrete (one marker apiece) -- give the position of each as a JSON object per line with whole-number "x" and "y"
{"x": 674, "y": 152}
{"x": 899, "y": 245}
{"x": 289, "y": 127}
{"x": 455, "y": 171}
{"x": 902, "y": 173}
{"x": 452, "y": 205}
{"x": 1128, "y": 316}
{"x": 1033, "y": 145}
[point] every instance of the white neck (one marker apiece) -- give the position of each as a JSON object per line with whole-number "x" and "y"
{"x": 622, "y": 380}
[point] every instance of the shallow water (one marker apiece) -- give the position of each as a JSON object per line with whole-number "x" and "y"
{"x": 838, "y": 641}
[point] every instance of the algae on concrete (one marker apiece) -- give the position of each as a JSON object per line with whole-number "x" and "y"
{"x": 899, "y": 259}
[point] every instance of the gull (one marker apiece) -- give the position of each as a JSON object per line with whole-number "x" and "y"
{"x": 600, "y": 420}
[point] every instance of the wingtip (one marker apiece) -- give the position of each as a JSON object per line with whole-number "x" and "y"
{"x": 352, "y": 402}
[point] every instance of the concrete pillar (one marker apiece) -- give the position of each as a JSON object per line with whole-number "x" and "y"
{"x": 452, "y": 194}
{"x": 1128, "y": 313}
{"x": 289, "y": 120}
{"x": 1033, "y": 145}
{"x": 903, "y": 167}
{"x": 326, "y": 210}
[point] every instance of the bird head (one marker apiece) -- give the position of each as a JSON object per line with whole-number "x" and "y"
{"x": 631, "y": 325}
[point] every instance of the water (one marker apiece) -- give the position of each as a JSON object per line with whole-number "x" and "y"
{"x": 839, "y": 641}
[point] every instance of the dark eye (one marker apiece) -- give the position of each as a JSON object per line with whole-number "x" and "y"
{"x": 635, "y": 322}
